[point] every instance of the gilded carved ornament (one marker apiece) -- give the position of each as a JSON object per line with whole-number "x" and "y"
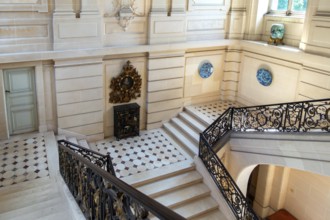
{"x": 126, "y": 86}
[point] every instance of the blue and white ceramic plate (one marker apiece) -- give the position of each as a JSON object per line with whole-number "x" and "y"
{"x": 264, "y": 77}
{"x": 206, "y": 70}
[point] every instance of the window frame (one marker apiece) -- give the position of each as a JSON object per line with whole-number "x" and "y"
{"x": 288, "y": 12}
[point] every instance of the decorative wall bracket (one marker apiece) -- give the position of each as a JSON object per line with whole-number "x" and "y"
{"x": 126, "y": 86}
{"x": 125, "y": 12}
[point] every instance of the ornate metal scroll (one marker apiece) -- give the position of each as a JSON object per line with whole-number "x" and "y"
{"x": 227, "y": 186}
{"x": 101, "y": 195}
{"x": 307, "y": 116}
{"x": 126, "y": 86}
{"x": 286, "y": 117}
{"x": 316, "y": 116}
{"x": 219, "y": 127}
{"x": 102, "y": 161}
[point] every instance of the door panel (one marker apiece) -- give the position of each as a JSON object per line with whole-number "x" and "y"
{"x": 21, "y": 100}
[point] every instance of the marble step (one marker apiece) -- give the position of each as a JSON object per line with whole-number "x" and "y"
{"x": 204, "y": 119}
{"x": 190, "y": 145}
{"x": 92, "y": 146}
{"x": 60, "y": 137}
{"x": 216, "y": 214}
{"x": 50, "y": 207}
{"x": 73, "y": 140}
{"x": 149, "y": 176}
{"x": 186, "y": 129}
{"x": 197, "y": 208}
{"x": 33, "y": 209}
{"x": 24, "y": 189}
{"x": 170, "y": 184}
{"x": 63, "y": 215}
{"x": 24, "y": 186}
{"x": 185, "y": 195}
{"x": 83, "y": 143}
{"x": 198, "y": 125}
{"x": 27, "y": 200}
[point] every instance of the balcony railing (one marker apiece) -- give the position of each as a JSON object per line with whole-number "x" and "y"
{"x": 100, "y": 195}
{"x": 306, "y": 116}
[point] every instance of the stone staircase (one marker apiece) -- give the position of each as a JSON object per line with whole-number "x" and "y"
{"x": 81, "y": 142}
{"x": 179, "y": 186}
{"x": 37, "y": 199}
{"x": 185, "y": 128}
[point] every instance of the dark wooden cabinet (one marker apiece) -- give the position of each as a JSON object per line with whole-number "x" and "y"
{"x": 126, "y": 120}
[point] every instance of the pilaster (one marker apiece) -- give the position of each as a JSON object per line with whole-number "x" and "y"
{"x": 89, "y": 7}
{"x": 79, "y": 97}
{"x": 316, "y": 28}
{"x": 158, "y": 7}
{"x": 236, "y": 20}
{"x": 167, "y": 23}
{"x": 230, "y": 80}
{"x": 256, "y": 9}
{"x": 178, "y": 6}
{"x": 64, "y": 8}
{"x": 264, "y": 190}
{"x": 165, "y": 87}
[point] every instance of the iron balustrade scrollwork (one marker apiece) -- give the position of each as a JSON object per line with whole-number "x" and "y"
{"x": 227, "y": 186}
{"x": 219, "y": 127}
{"x": 305, "y": 116}
{"x": 103, "y": 161}
{"x": 101, "y": 195}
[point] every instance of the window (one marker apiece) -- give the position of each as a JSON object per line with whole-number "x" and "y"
{"x": 288, "y": 6}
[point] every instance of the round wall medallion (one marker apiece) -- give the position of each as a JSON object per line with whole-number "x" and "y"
{"x": 264, "y": 77}
{"x": 206, "y": 70}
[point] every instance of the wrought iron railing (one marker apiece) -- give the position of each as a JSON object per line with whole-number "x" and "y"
{"x": 101, "y": 160}
{"x": 306, "y": 116}
{"x": 100, "y": 194}
{"x": 225, "y": 183}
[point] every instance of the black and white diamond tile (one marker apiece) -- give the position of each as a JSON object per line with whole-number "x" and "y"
{"x": 214, "y": 110}
{"x": 148, "y": 151}
{"x": 23, "y": 160}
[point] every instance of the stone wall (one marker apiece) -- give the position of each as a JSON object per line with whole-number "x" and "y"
{"x": 77, "y": 48}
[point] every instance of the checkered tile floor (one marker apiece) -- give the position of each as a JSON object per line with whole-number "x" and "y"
{"x": 25, "y": 159}
{"x": 150, "y": 150}
{"x": 213, "y": 110}
{"x": 22, "y": 160}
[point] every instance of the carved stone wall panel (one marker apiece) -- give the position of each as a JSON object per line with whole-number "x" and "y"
{"x": 323, "y": 8}
{"x": 199, "y": 28}
{"x": 167, "y": 29}
{"x": 72, "y": 33}
{"x": 205, "y": 25}
{"x": 22, "y": 34}
{"x": 27, "y": 5}
{"x": 195, "y": 85}
{"x": 319, "y": 33}
{"x": 136, "y": 34}
{"x": 283, "y": 87}
{"x": 207, "y": 5}
{"x": 236, "y": 24}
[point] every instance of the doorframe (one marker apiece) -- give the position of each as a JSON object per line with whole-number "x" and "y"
{"x": 40, "y": 96}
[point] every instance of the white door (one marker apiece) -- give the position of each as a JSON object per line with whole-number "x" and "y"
{"x": 21, "y": 100}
